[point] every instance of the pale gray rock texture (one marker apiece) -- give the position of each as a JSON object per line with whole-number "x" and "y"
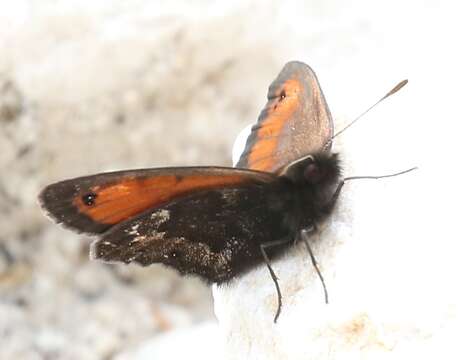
{"x": 391, "y": 254}
{"x": 87, "y": 87}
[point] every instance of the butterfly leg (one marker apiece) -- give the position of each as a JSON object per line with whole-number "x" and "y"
{"x": 304, "y": 236}
{"x": 330, "y": 205}
{"x": 263, "y": 248}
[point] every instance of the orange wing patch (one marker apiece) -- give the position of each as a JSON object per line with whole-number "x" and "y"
{"x": 111, "y": 204}
{"x": 279, "y": 109}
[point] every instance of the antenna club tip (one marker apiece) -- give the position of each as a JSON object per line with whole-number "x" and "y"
{"x": 396, "y": 88}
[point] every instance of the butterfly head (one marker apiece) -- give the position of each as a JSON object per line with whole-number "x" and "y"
{"x": 320, "y": 170}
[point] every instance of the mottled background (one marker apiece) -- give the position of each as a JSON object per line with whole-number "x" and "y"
{"x": 88, "y": 86}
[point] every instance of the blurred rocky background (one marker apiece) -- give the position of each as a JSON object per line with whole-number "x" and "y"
{"x": 88, "y": 86}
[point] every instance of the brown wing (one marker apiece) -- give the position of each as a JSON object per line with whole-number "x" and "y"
{"x": 295, "y": 121}
{"x": 93, "y": 204}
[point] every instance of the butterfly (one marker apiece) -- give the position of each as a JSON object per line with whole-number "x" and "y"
{"x": 218, "y": 222}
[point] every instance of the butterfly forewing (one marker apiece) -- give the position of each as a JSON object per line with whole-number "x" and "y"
{"x": 93, "y": 204}
{"x": 295, "y": 122}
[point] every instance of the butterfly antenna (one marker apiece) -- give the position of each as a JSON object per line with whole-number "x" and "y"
{"x": 392, "y": 92}
{"x": 381, "y": 176}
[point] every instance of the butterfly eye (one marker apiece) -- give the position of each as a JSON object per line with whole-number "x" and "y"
{"x": 89, "y": 199}
{"x": 313, "y": 174}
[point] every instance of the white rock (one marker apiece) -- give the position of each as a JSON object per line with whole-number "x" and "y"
{"x": 392, "y": 253}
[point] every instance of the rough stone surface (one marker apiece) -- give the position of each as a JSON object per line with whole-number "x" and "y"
{"x": 391, "y": 255}
{"x": 87, "y": 87}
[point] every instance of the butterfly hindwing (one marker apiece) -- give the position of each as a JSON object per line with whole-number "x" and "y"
{"x": 295, "y": 122}
{"x": 215, "y": 233}
{"x": 94, "y": 204}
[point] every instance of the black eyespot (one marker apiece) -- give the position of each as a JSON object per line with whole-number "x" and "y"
{"x": 282, "y": 96}
{"x": 89, "y": 199}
